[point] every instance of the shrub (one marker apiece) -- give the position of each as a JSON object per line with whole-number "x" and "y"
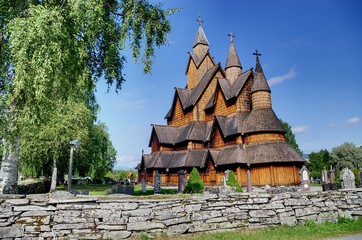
{"x": 194, "y": 183}
{"x": 232, "y": 182}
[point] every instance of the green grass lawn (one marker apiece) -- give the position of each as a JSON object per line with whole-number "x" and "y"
{"x": 310, "y": 231}
{"x": 103, "y": 189}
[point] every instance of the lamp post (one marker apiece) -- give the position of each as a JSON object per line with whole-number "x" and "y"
{"x": 73, "y": 147}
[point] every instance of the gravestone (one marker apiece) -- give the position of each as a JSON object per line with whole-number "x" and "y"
{"x": 332, "y": 176}
{"x": 157, "y": 183}
{"x": 143, "y": 185}
{"x": 347, "y": 179}
{"x": 325, "y": 181}
{"x": 360, "y": 177}
{"x": 181, "y": 180}
{"x": 304, "y": 178}
{"x": 123, "y": 189}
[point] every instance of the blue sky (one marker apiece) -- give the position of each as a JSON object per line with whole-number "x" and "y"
{"x": 311, "y": 55}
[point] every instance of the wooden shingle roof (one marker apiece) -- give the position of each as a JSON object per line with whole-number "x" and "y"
{"x": 232, "y": 91}
{"x": 200, "y": 37}
{"x": 231, "y": 124}
{"x": 232, "y": 58}
{"x": 260, "y": 83}
{"x": 272, "y": 152}
{"x": 171, "y": 135}
{"x": 262, "y": 120}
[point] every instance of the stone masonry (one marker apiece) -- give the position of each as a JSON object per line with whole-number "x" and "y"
{"x": 84, "y": 217}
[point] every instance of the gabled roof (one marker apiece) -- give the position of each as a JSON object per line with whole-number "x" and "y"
{"x": 200, "y": 37}
{"x": 171, "y": 135}
{"x": 231, "y": 124}
{"x": 228, "y": 155}
{"x": 260, "y": 83}
{"x": 165, "y": 134}
{"x": 268, "y": 152}
{"x": 196, "y": 92}
{"x": 189, "y": 98}
{"x": 233, "y": 58}
{"x": 262, "y": 120}
{"x": 231, "y": 91}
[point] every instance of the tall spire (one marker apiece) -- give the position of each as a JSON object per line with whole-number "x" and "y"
{"x": 260, "y": 83}
{"x": 233, "y": 66}
{"x": 233, "y": 58}
{"x": 200, "y": 35}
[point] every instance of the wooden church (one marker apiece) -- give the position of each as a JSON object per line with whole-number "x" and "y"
{"x": 223, "y": 120}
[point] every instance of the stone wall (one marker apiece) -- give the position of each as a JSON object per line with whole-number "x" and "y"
{"x": 68, "y": 217}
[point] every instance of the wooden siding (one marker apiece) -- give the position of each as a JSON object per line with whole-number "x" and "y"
{"x": 261, "y": 99}
{"x": 155, "y": 144}
{"x": 222, "y": 107}
{"x": 217, "y": 140}
{"x": 232, "y": 73}
{"x": 192, "y": 76}
{"x": 244, "y": 98}
{"x": 273, "y": 175}
{"x": 264, "y": 137}
{"x": 180, "y": 118}
{"x": 205, "y": 98}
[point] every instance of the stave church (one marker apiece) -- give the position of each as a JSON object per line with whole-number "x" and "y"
{"x": 222, "y": 120}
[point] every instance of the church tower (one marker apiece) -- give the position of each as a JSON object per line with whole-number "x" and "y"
{"x": 260, "y": 91}
{"x": 233, "y": 66}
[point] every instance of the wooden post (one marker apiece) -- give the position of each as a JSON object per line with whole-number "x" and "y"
{"x": 248, "y": 177}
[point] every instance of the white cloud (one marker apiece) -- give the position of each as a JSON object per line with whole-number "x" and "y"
{"x": 300, "y": 129}
{"x": 133, "y": 104}
{"x": 353, "y": 121}
{"x": 279, "y": 79}
{"x": 126, "y": 162}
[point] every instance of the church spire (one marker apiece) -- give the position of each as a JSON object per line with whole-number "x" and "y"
{"x": 200, "y": 35}
{"x": 260, "y": 91}
{"x": 233, "y": 66}
{"x": 260, "y": 83}
{"x": 201, "y": 45}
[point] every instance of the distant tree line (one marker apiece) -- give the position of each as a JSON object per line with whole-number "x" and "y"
{"x": 345, "y": 155}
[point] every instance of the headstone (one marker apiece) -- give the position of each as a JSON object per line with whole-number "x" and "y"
{"x": 143, "y": 185}
{"x": 181, "y": 180}
{"x": 347, "y": 178}
{"x": 123, "y": 189}
{"x": 360, "y": 177}
{"x": 332, "y": 177}
{"x": 305, "y": 180}
{"x": 157, "y": 183}
{"x": 325, "y": 181}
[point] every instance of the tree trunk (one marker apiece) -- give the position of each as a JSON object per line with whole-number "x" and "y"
{"x": 53, "y": 184}
{"x": 9, "y": 168}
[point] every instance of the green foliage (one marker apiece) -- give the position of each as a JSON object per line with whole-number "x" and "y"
{"x": 290, "y": 137}
{"x": 120, "y": 174}
{"x": 317, "y": 162}
{"x": 232, "y": 182}
{"x": 51, "y": 56}
{"x": 194, "y": 183}
{"x": 347, "y": 155}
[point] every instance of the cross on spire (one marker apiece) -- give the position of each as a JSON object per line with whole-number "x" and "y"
{"x": 231, "y": 36}
{"x": 199, "y": 20}
{"x": 257, "y": 53}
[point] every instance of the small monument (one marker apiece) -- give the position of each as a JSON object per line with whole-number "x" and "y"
{"x": 332, "y": 177}
{"x": 325, "y": 180}
{"x": 157, "y": 183}
{"x": 360, "y": 177}
{"x": 181, "y": 180}
{"x": 305, "y": 179}
{"x": 143, "y": 185}
{"x": 347, "y": 178}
